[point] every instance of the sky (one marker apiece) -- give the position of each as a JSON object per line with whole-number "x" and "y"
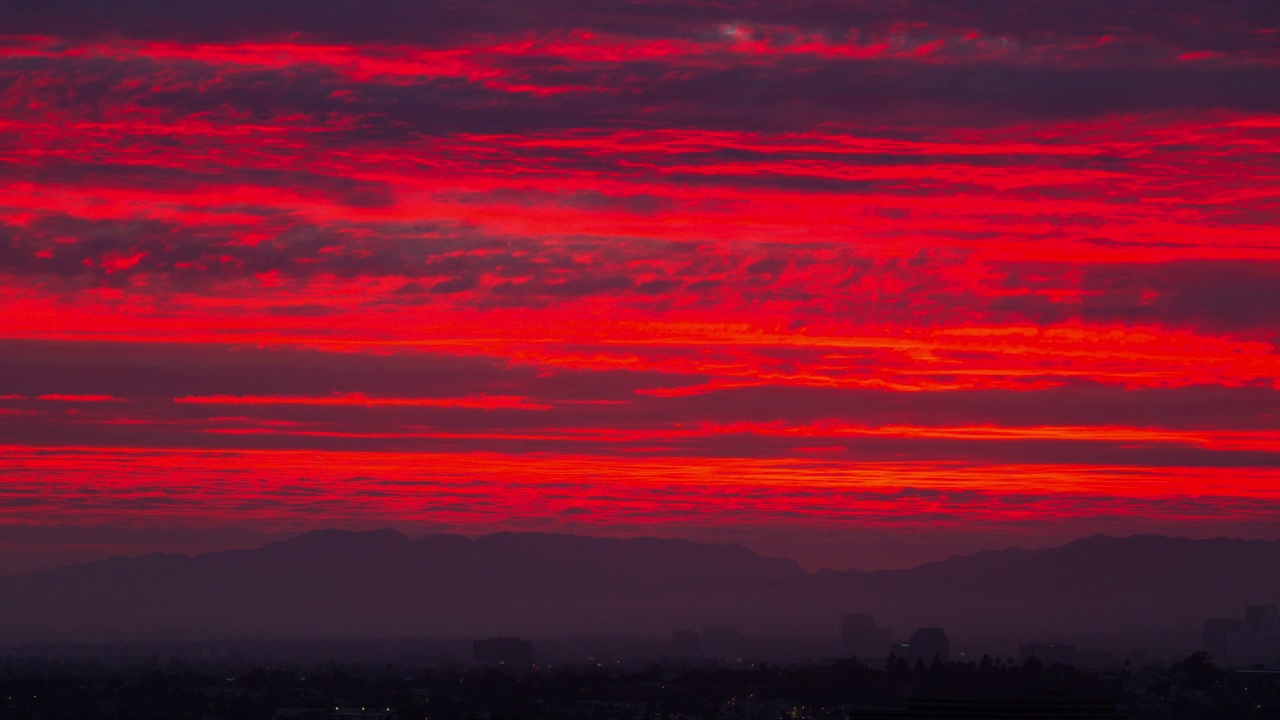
{"x": 864, "y": 283}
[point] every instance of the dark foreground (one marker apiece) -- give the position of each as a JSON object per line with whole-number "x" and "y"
{"x": 1193, "y": 688}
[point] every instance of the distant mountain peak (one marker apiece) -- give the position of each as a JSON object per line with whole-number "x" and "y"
{"x": 382, "y": 583}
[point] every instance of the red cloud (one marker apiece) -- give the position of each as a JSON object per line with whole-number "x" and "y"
{"x": 848, "y": 263}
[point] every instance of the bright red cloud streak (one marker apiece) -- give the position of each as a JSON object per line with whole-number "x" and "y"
{"x": 728, "y": 279}
{"x": 480, "y": 402}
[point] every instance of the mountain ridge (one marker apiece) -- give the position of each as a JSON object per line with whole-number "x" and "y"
{"x": 383, "y": 583}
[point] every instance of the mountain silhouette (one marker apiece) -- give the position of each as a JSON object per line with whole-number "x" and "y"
{"x": 1143, "y": 589}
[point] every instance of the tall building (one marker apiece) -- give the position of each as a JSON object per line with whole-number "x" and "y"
{"x": 861, "y": 637}
{"x": 925, "y": 644}
{"x": 1224, "y": 640}
{"x": 1255, "y": 640}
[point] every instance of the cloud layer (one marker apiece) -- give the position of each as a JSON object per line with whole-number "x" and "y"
{"x": 1029, "y": 248}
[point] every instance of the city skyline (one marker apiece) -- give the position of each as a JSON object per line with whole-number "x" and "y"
{"x": 1110, "y": 599}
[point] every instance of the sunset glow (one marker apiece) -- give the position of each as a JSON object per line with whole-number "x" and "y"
{"x": 792, "y": 278}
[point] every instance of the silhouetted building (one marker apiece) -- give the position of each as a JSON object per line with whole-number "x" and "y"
{"x": 1255, "y": 640}
{"x": 861, "y": 637}
{"x": 925, "y": 644}
{"x": 686, "y": 644}
{"x": 1048, "y": 653}
{"x": 722, "y": 641}
{"x": 503, "y": 651}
